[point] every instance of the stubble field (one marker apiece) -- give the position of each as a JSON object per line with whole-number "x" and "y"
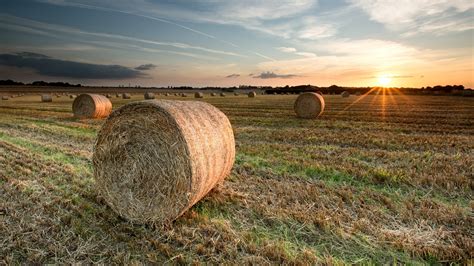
{"x": 376, "y": 179}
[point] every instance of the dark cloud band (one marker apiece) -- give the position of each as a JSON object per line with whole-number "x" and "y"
{"x": 47, "y": 66}
{"x": 271, "y": 75}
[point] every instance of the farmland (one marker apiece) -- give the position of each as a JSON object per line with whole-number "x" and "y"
{"x": 377, "y": 179}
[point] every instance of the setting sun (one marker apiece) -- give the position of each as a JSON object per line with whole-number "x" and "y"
{"x": 384, "y": 80}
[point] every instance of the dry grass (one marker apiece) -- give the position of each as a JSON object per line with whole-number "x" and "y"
{"x": 386, "y": 179}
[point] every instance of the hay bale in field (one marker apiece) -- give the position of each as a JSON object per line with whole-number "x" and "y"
{"x": 72, "y": 96}
{"x": 154, "y": 159}
{"x": 149, "y": 96}
{"x": 358, "y": 93}
{"x": 5, "y": 98}
{"x": 345, "y": 94}
{"x": 167, "y": 94}
{"x": 108, "y": 96}
{"x": 117, "y": 95}
{"x": 91, "y": 106}
{"x": 252, "y": 94}
{"x": 222, "y": 94}
{"x": 198, "y": 95}
{"x": 309, "y": 105}
{"x": 46, "y": 98}
{"x": 213, "y": 94}
{"x": 236, "y": 94}
{"x": 184, "y": 95}
{"x": 126, "y": 96}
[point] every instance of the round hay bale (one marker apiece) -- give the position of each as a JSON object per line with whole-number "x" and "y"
{"x": 236, "y": 94}
{"x": 149, "y": 96}
{"x": 222, "y": 94}
{"x": 167, "y": 94}
{"x": 126, "y": 96}
{"x": 5, "y": 98}
{"x": 184, "y": 95}
{"x": 108, "y": 96}
{"x": 198, "y": 95}
{"x": 91, "y": 106}
{"x": 117, "y": 95}
{"x": 213, "y": 94}
{"x": 345, "y": 94}
{"x": 46, "y": 98}
{"x": 252, "y": 94}
{"x": 153, "y": 160}
{"x": 72, "y": 96}
{"x": 309, "y": 105}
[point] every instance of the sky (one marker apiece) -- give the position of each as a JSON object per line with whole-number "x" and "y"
{"x": 402, "y": 43}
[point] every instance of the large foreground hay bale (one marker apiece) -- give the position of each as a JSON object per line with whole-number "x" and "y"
{"x": 126, "y": 96}
{"x": 149, "y": 96}
{"x": 91, "y": 106}
{"x": 46, "y": 98}
{"x": 309, "y": 105}
{"x": 154, "y": 159}
{"x": 345, "y": 94}
{"x": 198, "y": 95}
{"x": 252, "y": 94}
{"x": 4, "y": 98}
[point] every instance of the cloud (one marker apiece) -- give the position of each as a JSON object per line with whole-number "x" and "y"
{"x": 271, "y": 75}
{"x": 233, "y": 76}
{"x": 145, "y": 67}
{"x": 47, "y": 66}
{"x": 286, "y": 49}
{"x": 430, "y": 15}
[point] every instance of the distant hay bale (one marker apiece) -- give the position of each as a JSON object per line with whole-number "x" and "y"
{"x": 236, "y": 94}
{"x": 184, "y": 95}
{"x": 357, "y": 93}
{"x": 213, "y": 94}
{"x": 153, "y": 160}
{"x": 222, "y": 94}
{"x": 198, "y": 95}
{"x": 149, "y": 96}
{"x": 345, "y": 94}
{"x": 72, "y": 96}
{"x": 117, "y": 95}
{"x": 46, "y": 98}
{"x": 167, "y": 94}
{"x": 126, "y": 96}
{"x": 309, "y": 105}
{"x": 5, "y": 98}
{"x": 252, "y": 94}
{"x": 108, "y": 96}
{"x": 91, "y": 106}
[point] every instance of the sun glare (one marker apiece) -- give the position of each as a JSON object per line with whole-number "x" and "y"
{"x": 384, "y": 80}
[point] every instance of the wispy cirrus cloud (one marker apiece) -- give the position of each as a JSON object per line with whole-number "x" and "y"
{"x": 434, "y": 16}
{"x": 233, "y": 76}
{"x": 145, "y": 67}
{"x": 293, "y": 50}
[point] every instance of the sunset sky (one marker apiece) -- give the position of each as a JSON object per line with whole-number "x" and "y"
{"x": 408, "y": 43}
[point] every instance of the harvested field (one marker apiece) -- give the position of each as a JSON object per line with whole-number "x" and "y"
{"x": 375, "y": 179}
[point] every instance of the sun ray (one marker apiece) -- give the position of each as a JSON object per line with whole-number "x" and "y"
{"x": 358, "y": 99}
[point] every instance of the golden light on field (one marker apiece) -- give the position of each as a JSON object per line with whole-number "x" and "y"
{"x": 384, "y": 80}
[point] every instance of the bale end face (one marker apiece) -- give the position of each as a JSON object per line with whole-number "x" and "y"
{"x": 154, "y": 159}
{"x": 91, "y": 106}
{"x": 309, "y": 105}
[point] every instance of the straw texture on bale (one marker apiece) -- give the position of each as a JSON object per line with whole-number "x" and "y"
{"x": 149, "y": 96}
{"x": 345, "y": 94}
{"x": 126, "y": 96}
{"x": 153, "y": 160}
{"x": 198, "y": 95}
{"x": 46, "y": 98}
{"x": 4, "y": 98}
{"x": 252, "y": 94}
{"x": 91, "y": 106}
{"x": 309, "y": 105}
